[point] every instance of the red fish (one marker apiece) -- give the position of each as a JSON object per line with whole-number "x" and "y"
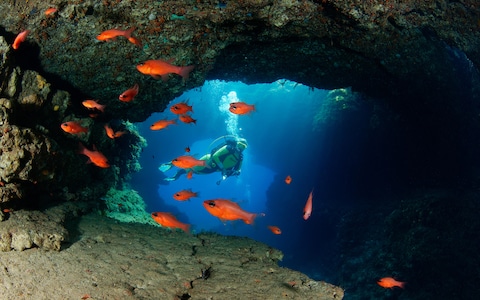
{"x": 93, "y": 104}
{"x": 135, "y": 41}
{"x": 95, "y": 157}
{"x": 187, "y": 119}
{"x": 181, "y": 108}
{"x": 190, "y": 175}
{"x": 73, "y": 127}
{"x": 168, "y": 220}
{"x": 112, "y": 134}
{"x": 21, "y": 37}
{"x": 227, "y": 210}
{"x": 162, "y": 124}
{"x": 160, "y": 69}
{"x": 111, "y": 34}
{"x": 184, "y": 195}
{"x": 50, "y": 11}
{"x": 275, "y": 229}
{"x": 129, "y": 94}
{"x": 288, "y": 179}
{"x": 307, "y": 210}
{"x": 241, "y": 108}
{"x": 187, "y": 149}
{"x": 389, "y": 282}
{"x": 187, "y": 162}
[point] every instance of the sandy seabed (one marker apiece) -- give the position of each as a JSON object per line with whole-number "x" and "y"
{"x": 106, "y": 259}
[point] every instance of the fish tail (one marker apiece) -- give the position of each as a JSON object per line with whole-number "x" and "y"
{"x": 128, "y": 32}
{"x": 250, "y": 219}
{"x": 81, "y": 148}
{"x": 186, "y": 228}
{"x": 185, "y": 72}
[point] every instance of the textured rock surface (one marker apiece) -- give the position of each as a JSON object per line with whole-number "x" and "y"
{"x": 380, "y": 47}
{"x": 117, "y": 261}
{"x": 40, "y": 229}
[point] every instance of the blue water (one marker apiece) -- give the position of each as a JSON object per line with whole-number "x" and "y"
{"x": 281, "y": 141}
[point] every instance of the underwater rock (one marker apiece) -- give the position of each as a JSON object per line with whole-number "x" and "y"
{"x": 112, "y": 260}
{"x": 25, "y": 154}
{"x": 24, "y": 229}
{"x": 372, "y": 46}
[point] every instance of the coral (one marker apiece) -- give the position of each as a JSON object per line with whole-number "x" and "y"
{"x": 126, "y": 205}
{"x": 337, "y": 105}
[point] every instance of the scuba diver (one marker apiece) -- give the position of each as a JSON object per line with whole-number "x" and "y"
{"x": 226, "y": 158}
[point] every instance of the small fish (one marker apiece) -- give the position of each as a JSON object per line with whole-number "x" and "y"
{"x": 187, "y": 119}
{"x": 168, "y": 220}
{"x": 187, "y": 162}
{"x": 135, "y": 41}
{"x": 112, "y": 134}
{"x": 21, "y": 37}
{"x": 184, "y": 195}
{"x": 50, "y": 11}
{"x": 181, "y": 108}
{"x": 93, "y": 104}
{"x": 73, "y": 127}
{"x": 389, "y": 282}
{"x": 307, "y": 210}
{"x": 95, "y": 157}
{"x": 190, "y": 175}
{"x": 241, "y": 108}
{"x": 288, "y": 179}
{"x": 162, "y": 124}
{"x": 187, "y": 149}
{"x": 227, "y": 210}
{"x": 160, "y": 69}
{"x": 275, "y": 229}
{"x": 112, "y": 34}
{"x": 129, "y": 94}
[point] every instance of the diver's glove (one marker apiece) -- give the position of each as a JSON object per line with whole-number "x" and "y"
{"x": 165, "y": 167}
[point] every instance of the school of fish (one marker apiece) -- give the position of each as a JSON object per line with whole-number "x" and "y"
{"x": 224, "y": 209}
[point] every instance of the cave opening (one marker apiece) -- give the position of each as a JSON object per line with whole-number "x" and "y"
{"x": 324, "y": 139}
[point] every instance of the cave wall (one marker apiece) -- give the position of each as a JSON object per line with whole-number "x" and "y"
{"x": 377, "y": 47}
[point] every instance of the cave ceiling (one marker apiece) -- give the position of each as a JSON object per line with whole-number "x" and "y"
{"x": 391, "y": 49}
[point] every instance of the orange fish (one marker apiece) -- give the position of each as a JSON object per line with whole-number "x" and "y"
{"x": 21, "y": 37}
{"x": 275, "y": 229}
{"x": 135, "y": 41}
{"x": 160, "y": 69}
{"x": 50, "y": 11}
{"x": 181, "y": 108}
{"x": 73, "y": 127}
{"x": 389, "y": 282}
{"x": 184, "y": 195}
{"x": 162, "y": 124}
{"x": 187, "y": 119}
{"x": 93, "y": 104}
{"x": 288, "y": 179}
{"x": 227, "y": 210}
{"x": 187, "y": 162}
{"x": 129, "y": 94}
{"x": 241, "y": 108}
{"x": 111, "y": 34}
{"x": 189, "y": 175}
{"x": 307, "y": 210}
{"x": 95, "y": 157}
{"x": 168, "y": 220}
{"x": 112, "y": 134}
{"x": 187, "y": 149}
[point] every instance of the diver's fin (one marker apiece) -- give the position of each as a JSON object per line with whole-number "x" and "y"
{"x": 165, "y": 167}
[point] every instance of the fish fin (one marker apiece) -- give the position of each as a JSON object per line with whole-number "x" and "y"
{"x": 185, "y": 72}
{"x": 164, "y": 77}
